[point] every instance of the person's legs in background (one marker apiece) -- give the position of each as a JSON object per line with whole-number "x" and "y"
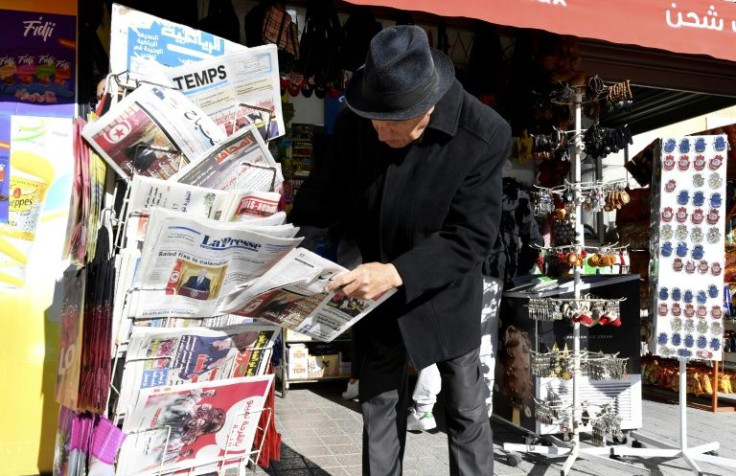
{"x": 492, "y": 291}
{"x": 469, "y": 434}
{"x": 351, "y": 391}
{"x": 429, "y": 384}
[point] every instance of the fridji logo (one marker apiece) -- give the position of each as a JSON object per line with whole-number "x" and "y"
{"x": 39, "y": 27}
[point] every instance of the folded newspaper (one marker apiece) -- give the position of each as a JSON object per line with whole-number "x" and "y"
{"x": 189, "y": 264}
{"x": 224, "y": 205}
{"x": 291, "y": 294}
{"x": 153, "y": 131}
{"x": 175, "y": 356}
{"x": 198, "y": 268}
{"x": 206, "y": 426}
{"x": 147, "y": 193}
{"x": 242, "y": 161}
{"x": 236, "y": 89}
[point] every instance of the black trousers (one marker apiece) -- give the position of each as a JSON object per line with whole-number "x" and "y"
{"x": 384, "y": 397}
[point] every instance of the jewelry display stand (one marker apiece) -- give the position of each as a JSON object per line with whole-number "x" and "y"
{"x": 552, "y": 409}
{"x": 687, "y": 275}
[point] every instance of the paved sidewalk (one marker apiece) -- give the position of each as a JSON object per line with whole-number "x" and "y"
{"x": 321, "y": 435}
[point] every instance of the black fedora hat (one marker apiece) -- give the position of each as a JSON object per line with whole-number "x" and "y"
{"x": 402, "y": 76}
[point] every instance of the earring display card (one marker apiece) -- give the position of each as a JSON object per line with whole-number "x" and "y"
{"x": 689, "y": 246}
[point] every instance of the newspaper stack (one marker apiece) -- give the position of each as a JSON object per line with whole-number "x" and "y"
{"x": 201, "y": 267}
{"x": 208, "y": 427}
{"x": 166, "y": 357}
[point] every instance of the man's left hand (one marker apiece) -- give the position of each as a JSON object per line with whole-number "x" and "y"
{"x": 367, "y": 281}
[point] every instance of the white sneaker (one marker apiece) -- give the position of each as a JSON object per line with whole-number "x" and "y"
{"x": 352, "y": 391}
{"x": 420, "y": 421}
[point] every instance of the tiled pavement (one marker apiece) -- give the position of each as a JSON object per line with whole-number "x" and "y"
{"x": 321, "y": 435}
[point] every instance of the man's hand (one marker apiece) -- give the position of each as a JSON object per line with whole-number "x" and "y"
{"x": 367, "y": 281}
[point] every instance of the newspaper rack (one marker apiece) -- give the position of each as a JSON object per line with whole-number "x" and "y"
{"x": 125, "y": 83}
{"x": 121, "y": 347}
{"x": 245, "y": 462}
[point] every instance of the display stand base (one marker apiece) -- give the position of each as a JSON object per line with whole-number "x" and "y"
{"x": 664, "y": 450}
{"x": 561, "y": 449}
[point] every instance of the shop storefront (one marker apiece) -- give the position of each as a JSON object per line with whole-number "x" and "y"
{"x": 556, "y": 68}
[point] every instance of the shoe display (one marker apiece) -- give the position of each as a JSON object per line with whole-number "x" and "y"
{"x": 420, "y": 421}
{"x": 351, "y": 392}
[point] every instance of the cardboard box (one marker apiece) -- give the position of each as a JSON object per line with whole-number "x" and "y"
{"x": 294, "y": 336}
{"x": 298, "y": 352}
{"x": 298, "y": 371}
{"x": 298, "y": 358}
{"x": 321, "y": 366}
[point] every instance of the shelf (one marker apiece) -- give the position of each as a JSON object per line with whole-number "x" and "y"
{"x": 306, "y": 341}
{"x": 320, "y": 379}
{"x": 703, "y": 402}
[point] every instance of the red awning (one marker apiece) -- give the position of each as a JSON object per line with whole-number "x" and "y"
{"x": 680, "y": 26}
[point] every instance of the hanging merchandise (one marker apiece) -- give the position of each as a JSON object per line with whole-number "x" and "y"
{"x": 319, "y": 50}
{"x": 358, "y": 30}
{"x": 97, "y": 328}
{"x": 221, "y": 20}
{"x": 269, "y": 22}
{"x": 688, "y": 249}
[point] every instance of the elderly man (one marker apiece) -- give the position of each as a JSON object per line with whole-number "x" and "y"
{"x": 415, "y": 178}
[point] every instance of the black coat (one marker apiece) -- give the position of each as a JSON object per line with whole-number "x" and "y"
{"x": 432, "y": 209}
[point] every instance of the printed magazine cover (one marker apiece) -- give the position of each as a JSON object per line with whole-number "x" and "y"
{"x": 70, "y": 340}
{"x": 205, "y": 425}
{"x": 159, "y": 357}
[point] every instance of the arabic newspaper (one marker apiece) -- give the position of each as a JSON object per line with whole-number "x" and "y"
{"x": 237, "y": 89}
{"x": 235, "y": 205}
{"x": 189, "y": 264}
{"x": 199, "y": 425}
{"x": 140, "y": 41}
{"x": 149, "y": 192}
{"x": 166, "y": 357}
{"x": 242, "y": 161}
{"x": 153, "y": 131}
{"x": 291, "y": 294}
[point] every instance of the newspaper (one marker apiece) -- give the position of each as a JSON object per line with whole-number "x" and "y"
{"x": 291, "y": 294}
{"x": 258, "y": 208}
{"x": 149, "y": 192}
{"x": 234, "y": 205}
{"x": 166, "y": 357}
{"x": 242, "y": 161}
{"x": 139, "y": 42}
{"x": 153, "y": 131}
{"x": 199, "y": 425}
{"x": 189, "y": 265}
{"x": 237, "y": 89}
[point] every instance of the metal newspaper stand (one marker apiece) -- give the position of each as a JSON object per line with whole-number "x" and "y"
{"x": 247, "y": 462}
